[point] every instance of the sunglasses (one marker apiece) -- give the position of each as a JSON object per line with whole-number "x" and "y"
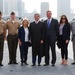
{"x": 63, "y": 18}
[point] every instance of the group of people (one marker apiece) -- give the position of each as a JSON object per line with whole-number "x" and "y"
{"x": 41, "y": 36}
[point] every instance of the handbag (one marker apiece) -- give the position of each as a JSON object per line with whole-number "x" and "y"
{"x": 29, "y": 44}
{"x": 58, "y": 44}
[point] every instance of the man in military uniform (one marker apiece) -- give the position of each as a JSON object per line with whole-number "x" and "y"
{"x": 12, "y": 39}
{"x": 2, "y": 24}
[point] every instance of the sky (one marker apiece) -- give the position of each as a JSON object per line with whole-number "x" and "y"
{"x": 31, "y": 5}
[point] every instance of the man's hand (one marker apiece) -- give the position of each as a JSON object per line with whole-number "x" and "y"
{"x": 67, "y": 41}
{"x": 42, "y": 41}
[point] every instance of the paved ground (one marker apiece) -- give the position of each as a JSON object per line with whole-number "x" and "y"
{"x": 29, "y": 70}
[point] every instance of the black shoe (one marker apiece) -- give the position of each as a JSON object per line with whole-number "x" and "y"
{"x": 73, "y": 63}
{"x": 25, "y": 63}
{"x": 39, "y": 65}
{"x": 45, "y": 64}
{"x": 15, "y": 63}
{"x": 1, "y": 64}
{"x": 9, "y": 63}
{"x": 33, "y": 65}
{"x": 52, "y": 65}
{"x": 21, "y": 64}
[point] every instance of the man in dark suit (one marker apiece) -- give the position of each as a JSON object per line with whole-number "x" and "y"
{"x": 51, "y": 31}
{"x": 37, "y": 39}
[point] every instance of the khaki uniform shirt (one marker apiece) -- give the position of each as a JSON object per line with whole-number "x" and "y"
{"x": 2, "y": 25}
{"x": 12, "y": 27}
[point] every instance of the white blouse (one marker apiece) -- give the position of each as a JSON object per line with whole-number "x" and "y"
{"x": 61, "y": 29}
{"x": 26, "y": 34}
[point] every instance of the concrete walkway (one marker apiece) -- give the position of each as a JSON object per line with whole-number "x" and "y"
{"x": 42, "y": 70}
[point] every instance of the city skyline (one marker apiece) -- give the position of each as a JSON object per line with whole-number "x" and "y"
{"x": 30, "y": 6}
{"x": 17, "y": 6}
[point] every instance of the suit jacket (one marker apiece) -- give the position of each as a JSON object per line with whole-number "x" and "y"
{"x": 51, "y": 33}
{"x": 21, "y": 34}
{"x": 65, "y": 36}
{"x": 66, "y": 32}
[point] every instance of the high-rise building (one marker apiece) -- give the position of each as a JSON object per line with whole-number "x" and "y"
{"x": 23, "y": 9}
{"x": 1, "y": 6}
{"x": 6, "y": 8}
{"x": 19, "y": 7}
{"x": 63, "y": 7}
{"x": 9, "y": 6}
{"x": 44, "y": 8}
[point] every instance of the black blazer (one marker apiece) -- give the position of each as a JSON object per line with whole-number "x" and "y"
{"x": 52, "y": 31}
{"x": 66, "y": 31}
{"x": 21, "y": 34}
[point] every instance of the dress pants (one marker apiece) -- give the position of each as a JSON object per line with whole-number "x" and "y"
{"x": 12, "y": 41}
{"x": 53, "y": 52}
{"x": 24, "y": 52}
{"x": 48, "y": 45}
{"x": 1, "y": 47}
{"x": 74, "y": 48}
{"x": 64, "y": 46}
{"x": 34, "y": 59}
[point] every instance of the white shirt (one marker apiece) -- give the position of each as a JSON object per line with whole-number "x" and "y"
{"x": 13, "y": 21}
{"x": 37, "y": 22}
{"x": 49, "y": 19}
{"x": 26, "y": 34}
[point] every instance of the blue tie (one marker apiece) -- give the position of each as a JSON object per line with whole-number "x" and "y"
{"x": 48, "y": 22}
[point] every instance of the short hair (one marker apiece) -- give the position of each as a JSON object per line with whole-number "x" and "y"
{"x": 48, "y": 11}
{"x": 0, "y": 12}
{"x": 37, "y": 14}
{"x": 12, "y": 13}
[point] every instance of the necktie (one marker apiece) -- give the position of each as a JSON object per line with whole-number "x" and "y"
{"x": 48, "y": 22}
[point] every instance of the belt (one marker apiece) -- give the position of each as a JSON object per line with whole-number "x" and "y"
{"x": 13, "y": 34}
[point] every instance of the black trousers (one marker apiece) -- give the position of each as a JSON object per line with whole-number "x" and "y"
{"x": 49, "y": 45}
{"x": 34, "y": 59}
{"x": 12, "y": 41}
{"x": 64, "y": 46}
{"x": 1, "y": 47}
{"x": 24, "y": 52}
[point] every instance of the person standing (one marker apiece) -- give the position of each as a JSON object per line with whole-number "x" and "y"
{"x": 23, "y": 39}
{"x": 12, "y": 39}
{"x": 51, "y": 33}
{"x": 2, "y": 32}
{"x": 63, "y": 38}
{"x": 73, "y": 39}
{"x": 37, "y": 39}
